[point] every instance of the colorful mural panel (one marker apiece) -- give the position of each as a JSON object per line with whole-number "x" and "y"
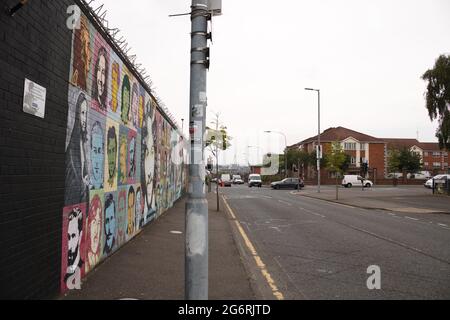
{"x": 73, "y": 248}
{"x": 121, "y": 167}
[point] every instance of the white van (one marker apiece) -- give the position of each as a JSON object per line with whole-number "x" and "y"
{"x": 254, "y": 180}
{"x": 355, "y": 180}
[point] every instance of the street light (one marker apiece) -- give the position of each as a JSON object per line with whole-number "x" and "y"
{"x": 319, "y": 149}
{"x": 285, "y": 150}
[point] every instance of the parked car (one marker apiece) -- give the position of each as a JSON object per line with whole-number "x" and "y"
{"x": 429, "y": 183}
{"x": 397, "y": 175}
{"x": 351, "y": 180}
{"x": 254, "y": 180}
{"x": 288, "y": 183}
{"x": 225, "y": 180}
{"x": 237, "y": 179}
{"x": 424, "y": 175}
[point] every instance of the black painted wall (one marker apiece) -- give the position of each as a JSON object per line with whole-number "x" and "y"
{"x": 34, "y": 44}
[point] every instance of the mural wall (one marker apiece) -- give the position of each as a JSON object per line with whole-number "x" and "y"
{"x": 124, "y": 161}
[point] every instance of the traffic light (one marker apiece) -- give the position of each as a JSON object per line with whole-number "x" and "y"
{"x": 224, "y": 140}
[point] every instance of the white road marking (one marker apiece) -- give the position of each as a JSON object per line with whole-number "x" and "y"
{"x": 311, "y": 212}
{"x": 442, "y": 225}
{"x": 285, "y": 202}
{"x": 259, "y": 263}
{"x": 415, "y": 219}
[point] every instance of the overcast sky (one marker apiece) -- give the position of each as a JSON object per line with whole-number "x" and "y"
{"x": 366, "y": 57}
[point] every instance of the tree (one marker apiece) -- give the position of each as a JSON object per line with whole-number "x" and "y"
{"x": 438, "y": 98}
{"x": 297, "y": 158}
{"x": 217, "y": 140}
{"x": 336, "y": 161}
{"x": 404, "y": 160}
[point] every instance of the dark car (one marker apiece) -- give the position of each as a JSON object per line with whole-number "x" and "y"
{"x": 288, "y": 183}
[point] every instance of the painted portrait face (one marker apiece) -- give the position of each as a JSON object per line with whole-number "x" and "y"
{"x": 101, "y": 75}
{"x": 141, "y": 111}
{"x": 97, "y": 155}
{"x": 149, "y": 164}
{"x": 95, "y": 228}
{"x": 112, "y": 152}
{"x": 110, "y": 224}
{"x": 134, "y": 105}
{"x": 131, "y": 204}
{"x": 115, "y": 86}
{"x": 131, "y": 156}
{"x": 85, "y": 48}
{"x": 138, "y": 202}
{"x": 83, "y": 115}
{"x": 125, "y": 99}
{"x": 74, "y": 238}
{"x": 123, "y": 158}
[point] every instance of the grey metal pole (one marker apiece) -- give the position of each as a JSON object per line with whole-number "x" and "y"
{"x": 319, "y": 153}
{"x": 285, "y": 156}
{"x": 196, "y": 246}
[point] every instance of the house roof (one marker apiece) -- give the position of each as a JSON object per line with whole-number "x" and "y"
{"x": 396, "y": 143}
{"x": 339, "y": 134}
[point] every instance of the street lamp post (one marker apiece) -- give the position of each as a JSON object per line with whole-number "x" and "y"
{"x": 285, "y": 150}
{"x": 319, "y": 149}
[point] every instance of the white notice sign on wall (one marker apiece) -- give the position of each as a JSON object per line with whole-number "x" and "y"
{"x": 34, "y": 99}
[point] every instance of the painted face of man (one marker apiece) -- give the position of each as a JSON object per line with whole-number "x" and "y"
{"x": 83, "y": 116}
{"x": 110, "y": 225}
{"x": 97, "y": 157}
{"x": 74, "y": 238}
{"x": 115, "y": 86}
{"x": 138, "y": 203}
{"x": 112, "y": 151}
{"x": 123, "y": 159}
{"x": 125, "y": 105}
{"x": 131, "y": 154}
{"x": 130, "y": 212}
{"x": 101, "y": 75}
{"x": 95, "y": 228}
{"x": 85, "y": 49}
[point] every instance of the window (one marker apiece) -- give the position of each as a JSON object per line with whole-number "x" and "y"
{"x": 437, "y": 164}
{"x": 353, "y": 160}
{"x": 426, "y": 164}
{"x": 425, "y": 154}
{"x": 362, "y": 146}
{"x": 350, "y": 146}
{"x": 445, "y": 164}
{"x": 445, "y": 154}
{"x": 436, "y": 154}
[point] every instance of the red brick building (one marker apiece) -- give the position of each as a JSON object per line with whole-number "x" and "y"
{"x": 365, "y": 148}
{"x": 434, "y": 160}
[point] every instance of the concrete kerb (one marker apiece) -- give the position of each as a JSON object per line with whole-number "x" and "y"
{"x": 425, "y": 211}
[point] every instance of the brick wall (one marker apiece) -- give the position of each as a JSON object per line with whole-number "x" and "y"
{"x": 103, "y": 149}
{"x": 34, "y": 44}
{"x": 377, "y": 158}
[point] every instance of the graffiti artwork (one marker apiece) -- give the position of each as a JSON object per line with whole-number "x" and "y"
{"x": 119, "y": 171}
{"x": 73, "y": 249}
{"x": 109, "y": 228}
{"x": 94, "y": 230}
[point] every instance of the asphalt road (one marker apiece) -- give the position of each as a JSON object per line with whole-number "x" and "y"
{"x": 315, "y": 249}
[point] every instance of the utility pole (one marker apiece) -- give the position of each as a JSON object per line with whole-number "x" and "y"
{"x": 319, "y": 149}
{"x": 196, "y": 246}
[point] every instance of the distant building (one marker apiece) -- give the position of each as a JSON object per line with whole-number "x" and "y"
{"x": 363, "y": 148}
{"x": 434, "y": 160}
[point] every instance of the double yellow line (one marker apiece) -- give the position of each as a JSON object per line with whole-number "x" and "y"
{"x": 259, "y": 263}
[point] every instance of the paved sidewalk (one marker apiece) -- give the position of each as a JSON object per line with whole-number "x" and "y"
{"x": 406, "y": 199}
{"x": 152, "y": 265}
